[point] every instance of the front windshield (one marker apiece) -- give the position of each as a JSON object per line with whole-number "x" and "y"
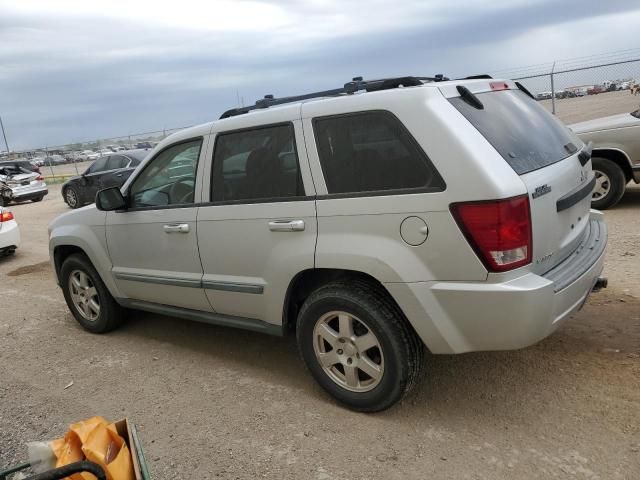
{"x": 636, "y": 113}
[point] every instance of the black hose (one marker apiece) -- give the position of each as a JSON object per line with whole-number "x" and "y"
{"x": 65, "y": 471}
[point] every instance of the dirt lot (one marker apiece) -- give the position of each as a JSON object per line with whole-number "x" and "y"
{"x": 213, "y": 402}
{"x": 579, "y": 109}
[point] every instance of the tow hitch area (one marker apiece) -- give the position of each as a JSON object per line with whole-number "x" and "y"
{"x": 601, "y": 283}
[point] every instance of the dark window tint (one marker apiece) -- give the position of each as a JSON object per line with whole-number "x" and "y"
{"x": 134, "y": 162}
{"x": 371, "y": 152}
{"x": 116, "y": 161}
{"x": 100, "y": 165}
{"x": 256, "y": 164}
{"x": 523, "y": 132}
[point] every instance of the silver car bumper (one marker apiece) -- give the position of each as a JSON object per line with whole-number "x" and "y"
{"x": 28, "y": 192}
{"x": 465, "y": 317}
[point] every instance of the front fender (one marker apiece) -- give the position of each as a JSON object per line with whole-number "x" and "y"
{"x": 91, "y": 239}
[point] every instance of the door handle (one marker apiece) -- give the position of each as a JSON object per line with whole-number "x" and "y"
{"x": 176, "y": 228}
{"x": 286, "y": 225}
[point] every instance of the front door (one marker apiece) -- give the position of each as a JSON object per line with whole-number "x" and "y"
{"x": 259, "y": 229}
{"x": 153, "y": 244}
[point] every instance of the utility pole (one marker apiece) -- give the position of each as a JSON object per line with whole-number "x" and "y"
{"x": 4, "y": 135}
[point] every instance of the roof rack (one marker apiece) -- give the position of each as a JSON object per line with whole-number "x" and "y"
{"x": 355, "y": 85}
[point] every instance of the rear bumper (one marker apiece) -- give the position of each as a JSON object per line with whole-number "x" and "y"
{"x": 463, "y": 317}
{"x": 9, "y": 235}
{"x": 24, "y": 193}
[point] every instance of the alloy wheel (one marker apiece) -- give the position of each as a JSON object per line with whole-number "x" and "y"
{"x": 84, "y": 295}
{"x": 71, "y": 197}
{"x": 602, "y": 187}
{"x": 348, "y": 351}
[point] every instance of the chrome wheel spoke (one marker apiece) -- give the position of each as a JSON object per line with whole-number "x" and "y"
{"x": 93, "y": 307}
{"x": 84, "y": 280}
{"x": 76, "y": 283}
{"x": 351, "y": 376}
{"x": 328, "y": 359}
{"x": 346, "y": 325}
{"x": 369, "y": 367}
{"x": 365, "y": 342}
{"x": 328, "y": 334}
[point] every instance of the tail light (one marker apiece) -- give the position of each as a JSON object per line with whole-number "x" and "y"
{"x": 499, "y": 231}
{"x": 6, "y": 216}
{"x": 39, "y": 178}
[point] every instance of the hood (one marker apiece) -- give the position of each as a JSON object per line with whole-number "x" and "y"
{"x": 72, "y": 180}
{"x": 605, "y": 123}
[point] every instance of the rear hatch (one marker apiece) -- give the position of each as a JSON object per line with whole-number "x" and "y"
{"x": 547, "y": 157}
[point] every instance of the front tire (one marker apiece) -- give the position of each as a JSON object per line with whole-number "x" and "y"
{"x": 610, "y": 183}
{"x": 39, "y": 199}
{"x": 358, "y": 346}
{"x": 71, "y": 197}
{"x": 87, "y": 296}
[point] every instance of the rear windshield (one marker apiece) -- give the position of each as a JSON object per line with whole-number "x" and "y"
{"x": 525, "y": 134}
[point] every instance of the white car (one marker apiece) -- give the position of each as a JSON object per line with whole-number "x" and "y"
{"x": 24, "y": 185}
{"x": 87, "y": 155}
{"x": 9, "y": 233}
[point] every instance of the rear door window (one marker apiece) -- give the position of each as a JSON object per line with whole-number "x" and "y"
{"x": 372, "y": 152}
{"x": 257, "y": 164}
{"x": 522, "y": 131}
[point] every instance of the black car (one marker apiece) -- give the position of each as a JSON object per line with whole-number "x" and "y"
{"x": 26, "y": 164}
{"x": 107, "y": 171}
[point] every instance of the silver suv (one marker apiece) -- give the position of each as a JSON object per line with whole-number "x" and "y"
{"x": 375, "y": 221}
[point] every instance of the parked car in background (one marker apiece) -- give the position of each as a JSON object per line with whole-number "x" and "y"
{"x": 26, "y": 164}
{"x": 87, "y": 155}
{"x": 107, "y": 171}
{"x": 596, "y": 90}
{"x": 616, "y": 154}
{"x": 9, "y": 232}
{"x": 53, "y": 160}
{"x": 343, "y": 216}
{"x": 24, "y": 184}
{"x": 144, "y": 145}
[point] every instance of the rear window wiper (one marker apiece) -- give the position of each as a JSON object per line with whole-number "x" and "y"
{"x": 469, "y": 97}
{"x": 524, "y": 90}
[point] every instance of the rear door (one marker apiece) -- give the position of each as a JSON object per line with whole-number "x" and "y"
{"x": 546, "y": 156}
{"x": 259, "y": 228}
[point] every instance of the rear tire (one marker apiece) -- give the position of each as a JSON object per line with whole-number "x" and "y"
{"x": 369, "y": 366}
{"x": 87, "y": 296}
{"x": 39, "y": 199}
{"x": 610, "y": 183}
{"x": 71, "y": 197}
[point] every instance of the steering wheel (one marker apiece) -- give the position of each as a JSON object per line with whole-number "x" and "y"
{"x": 181, "y": 192}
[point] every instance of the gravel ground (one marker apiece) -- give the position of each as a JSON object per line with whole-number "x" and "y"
{"x": 213, "y": 402}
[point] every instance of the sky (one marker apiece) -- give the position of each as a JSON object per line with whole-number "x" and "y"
{"x": 77, "y": 70}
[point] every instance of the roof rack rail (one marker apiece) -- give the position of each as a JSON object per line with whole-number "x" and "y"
{"x": 355, "y": 85}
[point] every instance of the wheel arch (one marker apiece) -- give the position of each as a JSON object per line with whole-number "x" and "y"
{"x": 618, "y": 157}
{"x": 306, "y": 281}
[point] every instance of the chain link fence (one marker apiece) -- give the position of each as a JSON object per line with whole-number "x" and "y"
{"x": 585, "y": 88}
{"x": 59, "y": 162}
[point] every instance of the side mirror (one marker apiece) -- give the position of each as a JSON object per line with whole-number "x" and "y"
{"x": 110, "y": 199}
